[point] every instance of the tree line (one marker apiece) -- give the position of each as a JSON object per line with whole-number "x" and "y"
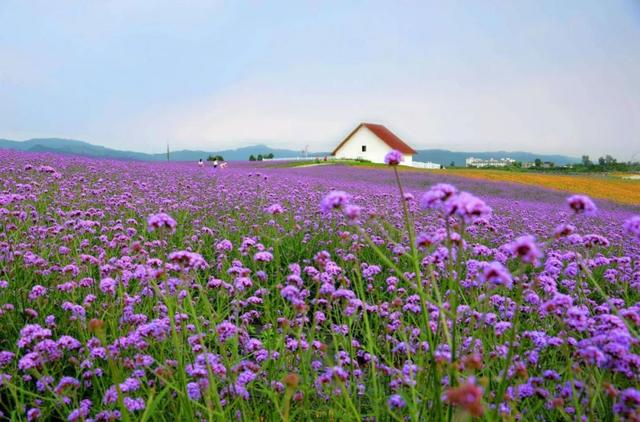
{"x": 261, "y": 157}
{"x": 606, "y": 163}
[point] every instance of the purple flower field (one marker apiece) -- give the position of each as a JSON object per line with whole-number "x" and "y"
{"x": 165, "y": 291}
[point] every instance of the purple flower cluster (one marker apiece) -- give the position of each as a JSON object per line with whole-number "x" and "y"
{"x": 582, "y": 204}
{"x": 632, "y": 226}
{"x": 464, "y": 205}
{"x": 161, "y": 221}
{"x": 393, "y": 158}
{"x": 334, "y": 200}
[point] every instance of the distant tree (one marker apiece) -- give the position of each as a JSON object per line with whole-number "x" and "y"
{"x": 538, "y": 162}
{"x": 608, "y": 162}
{"x": 269, "y": 156}
{"x": 586, "y": 161}
{"x": 260, "y": 157}
{"x": 252, "y": 158}
{"x": 452, "y": 164}
{"x": 215, "y": 157}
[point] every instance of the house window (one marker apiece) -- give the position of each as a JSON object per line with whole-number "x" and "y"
{"x": 364, "y": 148}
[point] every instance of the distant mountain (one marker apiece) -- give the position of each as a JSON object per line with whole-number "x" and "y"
{"x": 238, "y": 154}
{"x": 71, "y": 146}
{"x": 445, "y": 157}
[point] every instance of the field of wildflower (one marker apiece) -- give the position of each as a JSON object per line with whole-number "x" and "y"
{"x": 164, "y": 291}
{"x": 612, "y": 187}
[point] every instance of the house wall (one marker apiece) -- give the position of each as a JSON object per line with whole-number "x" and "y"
{"x": 376, "y": 148}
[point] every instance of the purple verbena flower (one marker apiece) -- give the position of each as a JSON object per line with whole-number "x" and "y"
{"x": 582, "y": 204}
{"x": 526, "y": 249}
{"x": 193, "y": 391}
{"x": 134, "y": 404}
{"x": 468, "y": 207}
{"x": 632, "y": 226}
{"x": 274, "y": 209}
{"x": 6, "y": 357}
{"x": 496, "y": 274}
{"x": 437, "y": 195}
{"x": 393, "y": 158}
{"x": 108, "y": 286}
{"x": 263, "y": 257}
{"x": 396, "y": 402}
{"x": 161, "y": 221}
{"x": 188, "y": 260}
{"x": 226, "y": 330}
{"x": 352, "y": 212}
{"x": 334, "y": 200}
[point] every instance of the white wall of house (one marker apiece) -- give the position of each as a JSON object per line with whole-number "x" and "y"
{"x": 376, "y": 148}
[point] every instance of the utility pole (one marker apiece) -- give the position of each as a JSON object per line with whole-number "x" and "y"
{"x": 167, "y": 151}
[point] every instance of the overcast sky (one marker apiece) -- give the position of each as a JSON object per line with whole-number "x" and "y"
{"x": 542, "y": 76}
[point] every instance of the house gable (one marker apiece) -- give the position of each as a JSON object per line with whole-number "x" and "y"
{"x": 384, "y": 134}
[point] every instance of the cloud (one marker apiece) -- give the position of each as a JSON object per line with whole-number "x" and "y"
{"x": 570, "y": 113}
{"x": 19, "y": 69}
{"x": 139, "y": 74}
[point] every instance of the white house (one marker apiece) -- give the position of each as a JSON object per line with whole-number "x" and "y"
{"x": 372, "y": 142}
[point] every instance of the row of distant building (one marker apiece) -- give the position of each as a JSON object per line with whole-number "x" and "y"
{"x": 504, "y": 162}
{"x": 371, "y": 142}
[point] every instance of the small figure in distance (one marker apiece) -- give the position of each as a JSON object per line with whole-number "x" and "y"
{"x": 215, "y": 163}
{"x": 201, "y": 163}
{"x": 223, "y": 165}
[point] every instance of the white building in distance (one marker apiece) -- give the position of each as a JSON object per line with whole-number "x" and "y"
{"x": 372, "y": 142}
{"x": 489, "y": 162}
